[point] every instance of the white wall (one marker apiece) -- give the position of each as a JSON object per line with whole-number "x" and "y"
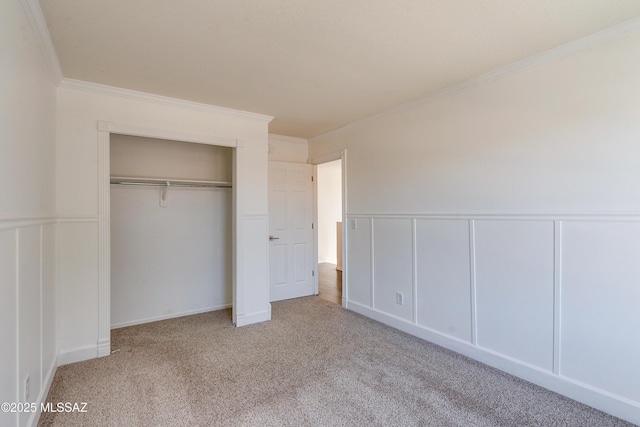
{"x": 329, "y": 187}
{"x": 80, "y": 107}
{"x": 27, "y": 214}
{"x": 507, "y": 213}
{"x": 288, "y": 149}
{"x": 132, "y": 156}
{"x": 171, "y": 260}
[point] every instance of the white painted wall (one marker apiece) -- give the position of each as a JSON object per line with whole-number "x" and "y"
{"x": 133, "y": 156}
{"x": 80, "y": 107}
{"x": 173, "y": 260}
{"x": 169, "y": 261}
{"x": 329, "y": 188}
{"x": 27, "y": 214}
{"x": 288, "y": 149}
{"x": 507, "y": 212}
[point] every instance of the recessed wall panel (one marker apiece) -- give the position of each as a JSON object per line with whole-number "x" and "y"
{"x": 8, "y": 332}
{"x": 443, "y": 276}
{"x": 29, "y": 311}
{"x": 359, "y": 266}
{"x": 601, "y": 306}
{"x": 393, "y": 266}
{"x": 514, "y": 289}
{"x": 78, "y": 283}
{"x": 48, "y": 296}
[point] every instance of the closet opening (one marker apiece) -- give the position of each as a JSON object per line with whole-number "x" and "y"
{"x": 171, "y": 229}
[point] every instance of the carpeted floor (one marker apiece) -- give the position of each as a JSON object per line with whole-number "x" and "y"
{"x": 314, "y": 364}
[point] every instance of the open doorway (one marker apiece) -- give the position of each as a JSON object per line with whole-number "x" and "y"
{"x": 329, "y": 210}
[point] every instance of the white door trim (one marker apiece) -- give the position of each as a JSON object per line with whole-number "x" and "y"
{"x": 325, "y": 158}
{"x": 105, "y": 129}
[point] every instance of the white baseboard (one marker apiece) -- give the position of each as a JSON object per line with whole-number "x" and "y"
{"x": 77, "y": 354}
{"x": 247, "y": 319}
{"x": 104, "y": 348}
{"x": 603, "y": 400}
{"x": 48, "y": 379}
{"x": 168, "y": 316}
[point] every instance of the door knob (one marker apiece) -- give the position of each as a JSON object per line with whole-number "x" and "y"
{"x": 273, "y": 238}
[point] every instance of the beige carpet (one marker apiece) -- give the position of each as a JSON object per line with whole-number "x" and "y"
{"x": 314, "y": 364}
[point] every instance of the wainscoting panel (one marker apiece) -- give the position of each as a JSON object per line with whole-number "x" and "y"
{"x": 8, "y": 331}
{"x": 393, "y": 266}
{"x": 78, "y": 276}
{"x": 29, "y": 313}
{"x": 255, "y": 269}
{"x": 601, "y": 306}
{"x": 49, "y": 346}
{"x": 359, "y": 248}
{"x": 514, "y": 289}
{"x": 443, "y": 276}
{"x": 551, "y": 298}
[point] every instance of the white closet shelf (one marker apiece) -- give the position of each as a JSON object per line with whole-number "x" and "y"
{"x": 169, "y": 182}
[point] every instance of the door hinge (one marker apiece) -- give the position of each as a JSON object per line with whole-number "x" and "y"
{"x": 312, "y": 226}
{"x": 313, "y": 273}
{"x": 311, "y": 178}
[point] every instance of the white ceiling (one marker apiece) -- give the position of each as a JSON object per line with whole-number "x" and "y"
{"x": 314, "y": 65}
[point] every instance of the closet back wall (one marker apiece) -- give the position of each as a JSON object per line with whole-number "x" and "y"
{"x": 175, "y": 260}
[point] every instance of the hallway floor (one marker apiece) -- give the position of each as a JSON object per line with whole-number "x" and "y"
{"x": 330, "y": 283}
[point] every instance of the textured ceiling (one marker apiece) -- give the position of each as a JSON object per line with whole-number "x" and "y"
{"x": 314, "y": 65}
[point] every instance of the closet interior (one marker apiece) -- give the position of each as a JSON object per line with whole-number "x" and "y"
{"x": 171, "y": 229}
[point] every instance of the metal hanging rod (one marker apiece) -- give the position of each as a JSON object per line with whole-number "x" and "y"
{"x": 159, "y": 182}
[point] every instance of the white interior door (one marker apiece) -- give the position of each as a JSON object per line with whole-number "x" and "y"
{"x": 291, "y": 247}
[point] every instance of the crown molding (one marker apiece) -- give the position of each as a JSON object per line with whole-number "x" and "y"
{"x": 616, "y": 32}
{"x": 101, "y": 89}
{"x": 284, "y": 138}
{"x": 39, "y": 26}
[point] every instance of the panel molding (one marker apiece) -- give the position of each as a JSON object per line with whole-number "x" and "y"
{"x": 603, "y": 400}
{"x": 552, "y": 378}
{"x": 77, "y": 219}
{"x": 372, "y": 264}
{"x": 414, "y": 270}
{"x": 41, "y": 370}
{"x": 472, "y": 277}
{"x": 15, "y": 222}
{"x": 557, "y": 294}
{"x": 618, "y": 216}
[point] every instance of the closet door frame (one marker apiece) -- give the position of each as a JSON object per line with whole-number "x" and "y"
{"x": 105, "y": 129}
